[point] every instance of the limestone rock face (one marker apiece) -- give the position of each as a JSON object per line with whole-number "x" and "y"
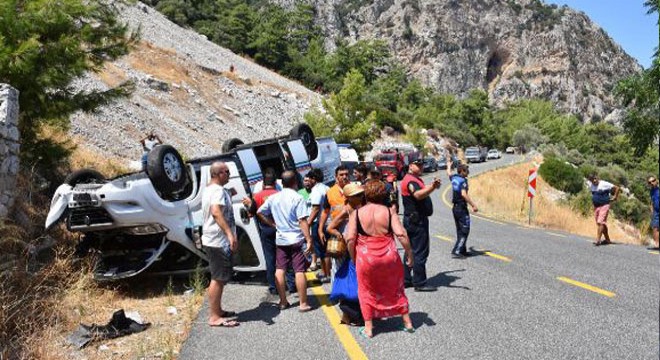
{"x": 511, "y": 48}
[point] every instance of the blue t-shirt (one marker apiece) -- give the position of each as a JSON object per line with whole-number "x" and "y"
{"x": 458, "y": 183}
{"x": 655, "y": 198}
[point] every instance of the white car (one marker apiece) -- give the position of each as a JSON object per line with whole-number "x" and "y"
{"x": 510, "y": 150}
{"x": 153, "y": 219}
{"x": 494, "y": 154}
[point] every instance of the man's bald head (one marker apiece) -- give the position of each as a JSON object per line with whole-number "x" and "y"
{"x": 290, "y": 179}
{"x": 219, "y": 172}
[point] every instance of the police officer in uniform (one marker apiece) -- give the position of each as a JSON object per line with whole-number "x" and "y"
{"x": 417, "y": 207}
{"x": 460, "y": 199}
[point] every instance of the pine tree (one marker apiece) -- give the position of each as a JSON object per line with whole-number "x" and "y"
{"x": 44, "y": 46}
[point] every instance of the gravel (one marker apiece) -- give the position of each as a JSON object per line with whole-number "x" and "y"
{"x": 186, "y": 94}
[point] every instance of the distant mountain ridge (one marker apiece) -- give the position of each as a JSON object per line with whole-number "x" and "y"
{"x": 511, "y": 48}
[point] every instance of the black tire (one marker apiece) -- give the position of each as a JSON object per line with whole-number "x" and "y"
{"x": 166, "y": 169}
{"x": 231, "y": 144}
{"x": 84, "y": 176}
{"x": 305, "y": 133}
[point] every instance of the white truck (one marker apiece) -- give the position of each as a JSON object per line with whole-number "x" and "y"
{"x": 152, "y": 219}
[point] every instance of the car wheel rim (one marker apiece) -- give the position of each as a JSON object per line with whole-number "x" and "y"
{"x": 172, "y": 167}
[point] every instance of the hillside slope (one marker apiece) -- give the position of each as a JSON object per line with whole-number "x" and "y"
{"x": 511, "y": 48}
{"x": 187, "y": 94}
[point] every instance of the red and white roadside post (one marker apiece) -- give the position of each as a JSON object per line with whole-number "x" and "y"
{"x": 531, "y": 191}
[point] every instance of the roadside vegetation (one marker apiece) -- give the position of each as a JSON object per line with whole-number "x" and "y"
{"x": 502, "y": 194}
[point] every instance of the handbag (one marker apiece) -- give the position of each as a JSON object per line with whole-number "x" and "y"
{"x": 345, "y": 286}
{"x": 335, "y": 247}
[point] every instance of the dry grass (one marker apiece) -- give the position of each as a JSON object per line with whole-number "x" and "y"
{"x": 84, "y": 301}
{"x": 82, "y": 156}
{"x": 503, "y": 194}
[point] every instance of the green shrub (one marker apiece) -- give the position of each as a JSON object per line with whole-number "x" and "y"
{"x": 588, "y": 169}
{"x": 581, "y": 202}
{"x": 614, "y": 174}
{"x": 630, "y": 209}
{"x": 561, "y": 175}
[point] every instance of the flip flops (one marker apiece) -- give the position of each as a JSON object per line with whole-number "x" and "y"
{"x": 283, "y": 306}
{"x": 227, "y": 324}
{"x": 363, "y": 333}
{"x": 410, "y": 330}
{"x": 305, "y": 309}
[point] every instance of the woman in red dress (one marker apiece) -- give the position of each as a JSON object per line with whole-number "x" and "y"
{"x": 370, "y": 239}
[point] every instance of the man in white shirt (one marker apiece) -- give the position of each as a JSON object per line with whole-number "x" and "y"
{"x": 600, "y": 197}
{"x": 218, "y": 241}
{"x": 286, "y": 211}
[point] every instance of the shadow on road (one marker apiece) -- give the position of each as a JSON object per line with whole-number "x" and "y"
{"x": 265, "y": 311}
{"x": 444, "y": 279}
{"x": 394, "y": 324}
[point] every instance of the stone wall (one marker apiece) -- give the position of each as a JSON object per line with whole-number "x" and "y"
{"x": 9, "y": 146}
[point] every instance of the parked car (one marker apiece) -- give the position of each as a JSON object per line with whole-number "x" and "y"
{"x": 430, "y": 164}
{"x": 476, "y": 154}
{"x": 152, "y": 220}
{"x": 510, "y": 150}
{"x": 494, "y": 154}
{"x": 442, "y": 162}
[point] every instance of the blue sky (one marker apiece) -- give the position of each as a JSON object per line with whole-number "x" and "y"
{"x": 625, "y": 21}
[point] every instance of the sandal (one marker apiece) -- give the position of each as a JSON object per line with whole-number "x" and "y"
{"x": 283, "y": 306}
{"x": 304, "y": 309}
{"x": 363, "y": 333}
{"x": 409, "y": 330}
{"x": 313, "y": 268}
{"x": 227, "y": 324}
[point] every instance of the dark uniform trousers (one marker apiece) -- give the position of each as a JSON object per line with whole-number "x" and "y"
{"x": 462, "y": 221}
{"x": 418, "y": 232}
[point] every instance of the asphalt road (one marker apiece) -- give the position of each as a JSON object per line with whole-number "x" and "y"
{"x": 526, "y": 294}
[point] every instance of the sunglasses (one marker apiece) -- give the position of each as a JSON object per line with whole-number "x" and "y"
{"x": 651, "y": 181}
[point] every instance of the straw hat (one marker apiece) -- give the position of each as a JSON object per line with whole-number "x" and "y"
{"x": 353, "y": 189}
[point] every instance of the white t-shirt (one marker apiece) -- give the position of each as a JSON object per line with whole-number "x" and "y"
{"x": 150, "y": 144}
{"x": 600, "y": 194}
{"x": 212, "y": 234}
{"x": 317, "y": 197}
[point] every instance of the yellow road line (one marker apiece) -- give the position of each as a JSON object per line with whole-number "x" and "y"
{"x": 445, "y": 238}
{"x": 449, "y": 205}
{"x": 586, "y": 286}
{"x": 498, "y": 257}
{"x": 345, "y": 337}
{"x": 489, "y": 220}
{"x": 491, "y": 254}
{"x": 555, "y": 234}
{"x": 444, "y": 196}
{"x": 654, "y": 252}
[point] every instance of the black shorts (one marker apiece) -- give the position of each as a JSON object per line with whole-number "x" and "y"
{"x": 219, "y": 264}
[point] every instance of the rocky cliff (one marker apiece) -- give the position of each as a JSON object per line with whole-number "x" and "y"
{"x": 191, "y": 92}
{"x": 511, "y": 48}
